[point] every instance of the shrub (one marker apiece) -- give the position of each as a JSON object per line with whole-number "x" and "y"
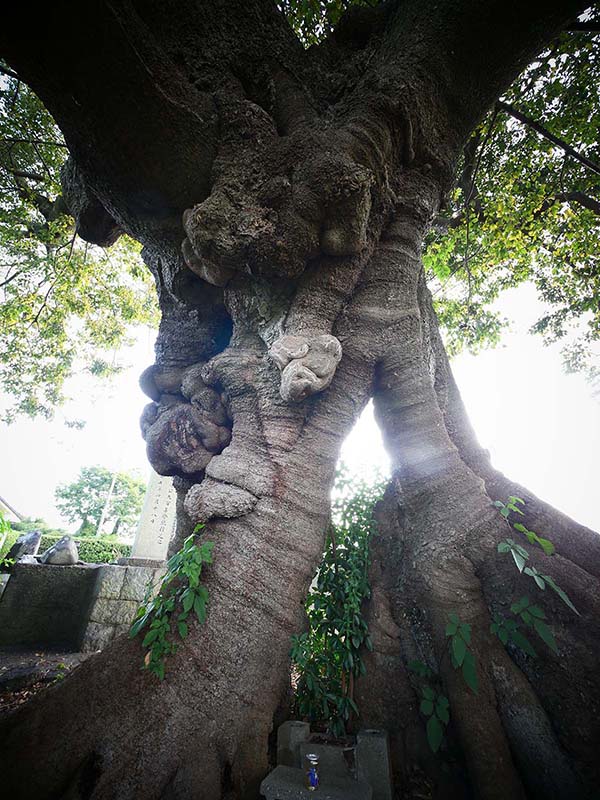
{"x": 328, "y": 657}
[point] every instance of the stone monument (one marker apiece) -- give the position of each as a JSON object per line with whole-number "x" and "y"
{"x": 157, "y": 521}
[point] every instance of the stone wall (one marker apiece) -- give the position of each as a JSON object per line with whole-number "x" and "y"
{"x": 118, "y": 593}
{"x": 47, "y": 606}
{"x": 76, "y": 607}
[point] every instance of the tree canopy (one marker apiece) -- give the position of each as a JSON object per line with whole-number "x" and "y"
{"x": 83, "y": 500}
{"x": 525, "y": 208}
{"x": 526, "y": 205}
{"x": 65, "y": 306}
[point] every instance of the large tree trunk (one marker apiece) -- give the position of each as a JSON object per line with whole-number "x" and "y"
{"x": 303, "y": 183}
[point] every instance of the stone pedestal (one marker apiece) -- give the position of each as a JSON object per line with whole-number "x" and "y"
{"x": 289, "y": 783}
{"x": 290, "y": 735}
{"x": 332, "y": 763}
{"x": 373, "y": 762}
{"x": 157, "y": 521}
{"x": 76, "y": 607}
{"x": 47, "y": 605}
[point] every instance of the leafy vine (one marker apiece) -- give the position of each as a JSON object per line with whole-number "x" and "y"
{"x": 179, "y": 594}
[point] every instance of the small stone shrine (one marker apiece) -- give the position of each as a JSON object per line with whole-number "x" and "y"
{"x": 357, "y": 770}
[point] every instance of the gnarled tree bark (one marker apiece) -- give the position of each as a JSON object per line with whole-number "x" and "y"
{"x": 282, "y": 197}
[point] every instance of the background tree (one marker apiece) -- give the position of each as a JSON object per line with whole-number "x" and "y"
{"x": 83, "y": 500}
{"x": 526, "y": 207}
{"x": 65, "y": 305}
{"x": 283, "y": 196}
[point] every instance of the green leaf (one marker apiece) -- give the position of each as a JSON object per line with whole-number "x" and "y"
{"x": 200, "y": 608}
{"x": 546, "y": 546}
{"x": 435, "y": 733}
{"x": 183, "y": 629}
{"x": 522, "y": 603}
{"x": 454, "y": 617}
{"x": 469, "y": 671}
{"x": 451, "y": 628}
{"x": 545, "y": 634}
{"x": 563, "y": 596}
{"x": 137, "y": 626}
{"x": 465, "y": 632}
{"x": 426, "y": 707}
{"x": 518, "y": 559}
{"x": 523, "y": 642}
{"x": 503, "y": 635}
{"x": 536, "y": 611}
{"x": 150, "y": 637}
{"x": 459, "y": 648}
{"x": 428, "y": 693}
{"x": 536, "y": 577}
{"x": 187, "y": 599}
{"x": 519, "y": 527}
{"x": 441, "y": 710}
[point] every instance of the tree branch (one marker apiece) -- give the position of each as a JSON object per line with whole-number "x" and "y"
{"x": 542, "y": 131}
{"x": 581, "y": 198}
{"x": 9, "y": 73}
{"x": 45, "y": 142}
{"x": 583, "y": 27}
{"x": 32, "y": 176}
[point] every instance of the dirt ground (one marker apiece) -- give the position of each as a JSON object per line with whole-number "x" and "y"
{"x": 25, "y": 672}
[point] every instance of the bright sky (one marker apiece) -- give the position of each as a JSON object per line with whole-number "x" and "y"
{"x": 541, "y": 426}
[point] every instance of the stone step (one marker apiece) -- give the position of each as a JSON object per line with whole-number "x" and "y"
{"x": 289, "y": 783}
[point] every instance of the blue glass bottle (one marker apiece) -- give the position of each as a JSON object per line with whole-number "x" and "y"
{"x": 312, "y": 772}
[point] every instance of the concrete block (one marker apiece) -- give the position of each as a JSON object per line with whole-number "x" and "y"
{"x": 47, "y": 605}
{"x": 332, "y": 763}
{"x": 113, "y": 612}
{"x": 135, "y": 583}
{"x": 290, "y": 735}
{"x": 373, "y": 762}
{"x": 151, "y": 563}
{"x": 97, "y": 636}
{"x": 289, "y": 783}
{"x": 110, "y": 581}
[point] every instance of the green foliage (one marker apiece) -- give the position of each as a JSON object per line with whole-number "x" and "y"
{"x": 525, "y": 210}
{"x": 180, "y": 594}
{"x": 519, "y": 554}
{"x": 533, "y": 538}
{"x": 327, "y": 658}
{"x": 510, "y": 505}
{"x": 434, "y": 704}
{"x": 4, "y": 534}
{"x": 533, "y": 616}
{"x": 83, "y": 500}
{"x": 312, "y": 20}
{"x": 103, "y": 550}
{"x": 65, "y": 306}
{"x": 459, "y": 636}
{"x": 508, "y": 630}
